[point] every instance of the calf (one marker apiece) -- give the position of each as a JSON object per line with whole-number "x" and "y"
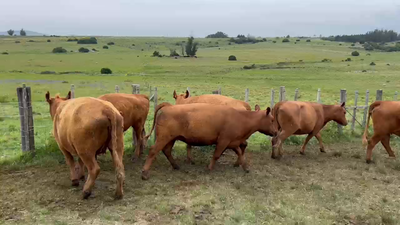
{"x": 299, "y": 118}
{"x": 205, "y": 124}
{"x": 86, "y": 127}
{"x": 209, "y": 99}
{"x": 386, "y": 121}
{"x": 134, "y": 109}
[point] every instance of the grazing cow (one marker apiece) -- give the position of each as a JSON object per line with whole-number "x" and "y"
{"x": 205, "y": 124}
{"x": 86, "y": 127}
{"x": 299, "y": 118}
{"x": 209, "y": 99}
{"x": 386, "y": 121}
{"x": 134, "y": 109}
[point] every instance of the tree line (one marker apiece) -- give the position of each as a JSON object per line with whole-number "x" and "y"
{"x": 21, "y": 32}
{"x": 371, "y": 36}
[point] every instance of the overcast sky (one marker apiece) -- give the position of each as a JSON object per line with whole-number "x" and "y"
{"x": 199, "y": 17}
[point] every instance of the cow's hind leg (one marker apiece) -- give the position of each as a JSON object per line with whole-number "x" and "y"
{"x": 189, "y": 154}
{"x": 119, "y": 172}
{"x": 155, "y": 149}
{"x": 81, "y": 169}
{"x": 386, "y": 143}
{"x": 321, "y": 145}
{"x": 303, "y": 148}
{"x": 93, "y": 171}
{"x": 167, "y": 152}
{"x": 137, "y": 132}
{"x": 219, "y": 149}
{"x": 371, "y": 144}
{"x": 72, "y": 168}
{"x": 243, "y": 147}
{"x": 242, "y": 159}
{"x": 278, "y": 140}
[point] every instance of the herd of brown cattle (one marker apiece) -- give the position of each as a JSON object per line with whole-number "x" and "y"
{"x": 86, "y": 127}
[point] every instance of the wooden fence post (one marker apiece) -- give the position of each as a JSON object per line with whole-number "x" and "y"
{"x": 282, "y": 92}
{"x": 219, "y": 90}
{"x": 272, "y": 98}
{"x": 342, "y": 99}
{"x": 395, "y": 96}
{"x": 116, "y": 89}
{"x": 366, "y": 108}
{"x": 246, "y": 95}
{"x": 353, "y": 122}
{"x": 26, "y": 118}
{"x": 188, "y": 89}
{"x": 379, "y": 95}
{"x": 72, "y": 91}
{"x": 155, "y": 106}
{"x": 296, "y": 94}
{"x": 319, "y": 95}
{"x": 135, "y": 88}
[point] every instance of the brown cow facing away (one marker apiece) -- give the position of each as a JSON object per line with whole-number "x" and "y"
{"x": 86, "y": 127}
{"x": 292, "y": 117}
{"x": 205, "y": 124}
{"x": 209, "y": 99}
{"x": 134, "y": 109}
{"x": 386, "y": 121}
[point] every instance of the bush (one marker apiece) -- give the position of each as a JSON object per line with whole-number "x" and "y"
{"x": 274, "y": 42}
{"x": 84, "y": 50}
{"x": 372, "y": 64}
{"x": 308, "y": 40}
{"x": 91, "y": 40}
{"x": 59, "y": 50}
{"x": 172, "y": 52}
{"x": 219, "y": 34}
{"x": 355, "y": 53}
{"x": 105, "y": 71}
{"x": 110, "y": 43}
{"x": 285, "y": 40}
{"x": 232, "y": 58}
{"x": 156, "y": 54}
{"x": 326, "y": 60}
{"x": 298, "y": 40}
{"x": 249, "y": 67}
{"x": 105, "y": 47}
{"x": 31, "y": 41}
{"x": 229, "y": 43}
{"x": 264, "y": 39}
{"x": 17, "y": 42}
{"x": 362, "y": 42}
{"x": 353, "y": 44}
{"x": 49, "y": 40}
{"x": 93, "y": 49}
{"x": 4, "y": 53}
{"x": 348, "y": 60}
{"x": 133, "y": 44}
{"x": 72, "y": 39}
{"x": 364, "y": 71}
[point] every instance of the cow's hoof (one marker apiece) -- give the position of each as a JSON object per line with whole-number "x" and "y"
{"x": 369, "y": 161}
{"x": 75, "y": 183}
{"x": 322, "y": 150}
{"x": 145, "y": 175}
{"x": 86, "y": 194}
{"x": 176, "y": 167}
{"x": 302, "y": 153}
{"x": 118, "y": 196}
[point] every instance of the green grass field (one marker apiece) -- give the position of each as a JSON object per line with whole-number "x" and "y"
{"x": 313, "y": 189}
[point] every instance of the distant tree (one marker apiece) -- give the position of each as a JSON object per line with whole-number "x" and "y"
{"x": 105, "y": 47}
{"x": 105, "y": 71}
{"x": 232, "y": 58}
{"x": 241, "y": 36}
{"x": 355, "y": 53}
{"x": 308, "y": 40}
{"x": 156, "y": 54}
{"x": 10, "y": 32}
{"x": 59, "y": 50}
{"x": 285, "y": 40}
{"x": 172, "y": 52}
{"x": 219, "y": 34}
{"x": 288, "y": 36}
{"x": 91, "y": 40}
{"x": 191, "y": 47}
{"x": 83, "y": 50}
{"x": 22, "y": 32}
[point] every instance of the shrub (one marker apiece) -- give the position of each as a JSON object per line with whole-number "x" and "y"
{"x": 59, "y": 50}
{"x": 229, "y": 43}
{"x": 17, "y": 42}
{"x": 274, "y": 42}
{"x": 105, "y": 71}
{"x": 353, "y": 44}
{"x": 340, "y": 44}
{"x": 326, "y": 60}
{"x": 308, "y": 40}
{"x": 4, "y": 53}
{"x": 83, "y": 50}
{"x": 133, "y": 44}
{"x": 298, "y": 40}
{"x": 362, "y": 42}
{"x": 219, "y": 34}
{"x": 249, "y": 67}
{"x": 156, "y": 54}
{"x": 232, "y": 58}
{"x": 264, "y": 39}
{"x": 285, "y": 40}
{"x": 105, "y": 47}
{"x": 93, "y": 49}
{"x": 348, "y": 60}
{"x": 372, "y": 64}
{"x": 110, "y": 43}
{"x": 364, "y": 71}
{"x": 72, "y": 39}
{"x": 91, "y": 40}
{"x": 31, "y": 41}
{"x": 48, "y": 40}
{"x": 172, "y": 52}
{"x": 355, "y": 53}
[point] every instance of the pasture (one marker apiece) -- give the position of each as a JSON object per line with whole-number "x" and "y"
{"x": 332, "y": 188}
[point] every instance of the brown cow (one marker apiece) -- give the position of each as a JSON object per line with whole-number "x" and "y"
{"x": 86, "y": 127}
{"x": 205, "y": 124}
{"x": 299, "y": 118}
{"x": 209, "y": 99}
{"x": 134, "y": 109}
{"x": 386, "y": 121}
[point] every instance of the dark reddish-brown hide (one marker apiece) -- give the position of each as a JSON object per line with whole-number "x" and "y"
{"x": 85, "y": 127}
{"x": 386, "y": 121}
{"x": 205, "y": 124}
{"x": 134, "y": 108}
{"x": 292, "y": 117}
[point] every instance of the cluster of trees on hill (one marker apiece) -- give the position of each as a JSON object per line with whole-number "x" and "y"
{"x": 371, "y": 36}
{"x": 219, "y": 34}
{"x": 241, "y": 39}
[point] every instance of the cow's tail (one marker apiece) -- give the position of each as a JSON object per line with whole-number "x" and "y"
{"x": 160, "y": 106}
{"x": 365, "y": 136}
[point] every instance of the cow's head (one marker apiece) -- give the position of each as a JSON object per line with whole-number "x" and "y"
{"x": 266, "y": 125}
{"x": 179, "y": 99}
{"x": 339, "y": 114}
{"x": 54, "y": 102}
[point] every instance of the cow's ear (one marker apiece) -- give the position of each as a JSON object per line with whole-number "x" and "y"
{"x": 343, "y": 104}
{"x": 257, "y": 108}
{"x": 268, "y": 111}
{"x": 48, "y": 96}
{"x": 68, "y": 95}
{"x": 174, "y": 94}
{"x": 187, "y": 94}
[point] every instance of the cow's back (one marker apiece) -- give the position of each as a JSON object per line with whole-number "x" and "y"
{"x": 386, "y": 116}
{"x": 219, "y": 100}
